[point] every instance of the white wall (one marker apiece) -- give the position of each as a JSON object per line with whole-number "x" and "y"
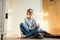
{"x": 18, "y": 13}
{"x": 6, "y": 20}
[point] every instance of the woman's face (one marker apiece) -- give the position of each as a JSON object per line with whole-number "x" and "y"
{"x": 29, "y": 14}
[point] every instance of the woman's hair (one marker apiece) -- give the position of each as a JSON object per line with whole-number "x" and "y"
{"x": 28, "y": 11}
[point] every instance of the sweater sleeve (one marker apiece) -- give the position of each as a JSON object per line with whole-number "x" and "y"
{"x": 34, "y": 22}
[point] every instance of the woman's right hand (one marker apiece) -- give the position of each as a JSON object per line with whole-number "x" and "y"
{"x": 35, "y": 27}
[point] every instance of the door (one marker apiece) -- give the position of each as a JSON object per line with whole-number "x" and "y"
{"x": 1, "y": 16}
{"x": 52, "y": 7}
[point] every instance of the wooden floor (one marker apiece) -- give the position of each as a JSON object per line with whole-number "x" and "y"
{"x": 30, "y": 39}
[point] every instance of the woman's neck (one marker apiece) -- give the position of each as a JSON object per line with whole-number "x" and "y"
{"x": 29, "y": 17}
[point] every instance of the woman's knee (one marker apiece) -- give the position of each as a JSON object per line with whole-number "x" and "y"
{"x": 21, "y": 24}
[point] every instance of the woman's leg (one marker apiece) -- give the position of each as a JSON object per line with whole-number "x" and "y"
{"x": 24, "y": 28}
{"x": 33, "y": 32}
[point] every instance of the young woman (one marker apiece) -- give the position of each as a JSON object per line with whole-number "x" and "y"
{"x": 29, "y": 28}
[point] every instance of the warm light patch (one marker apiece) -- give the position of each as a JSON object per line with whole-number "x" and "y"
{"x": 40, "y": 19}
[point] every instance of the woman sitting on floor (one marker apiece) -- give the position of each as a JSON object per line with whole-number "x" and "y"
{"x": 29, "y": 28}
